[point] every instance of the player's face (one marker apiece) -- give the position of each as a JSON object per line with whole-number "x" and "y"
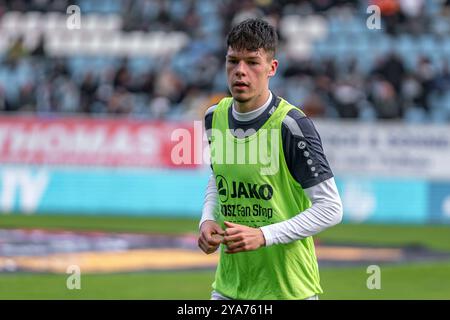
{"x": 248, "y": 73}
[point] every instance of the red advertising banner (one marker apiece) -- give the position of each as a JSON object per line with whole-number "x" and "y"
{"x": 95, "y": 142}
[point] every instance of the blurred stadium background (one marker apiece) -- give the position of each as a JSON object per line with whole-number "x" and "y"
{"x": 87, "y": 176}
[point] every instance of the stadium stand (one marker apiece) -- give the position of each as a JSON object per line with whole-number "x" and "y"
{"x": 165, "y": 59}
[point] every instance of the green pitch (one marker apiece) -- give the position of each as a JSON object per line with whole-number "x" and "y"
{"x": 427, "y": 281}
{"x": 407, "y": 281}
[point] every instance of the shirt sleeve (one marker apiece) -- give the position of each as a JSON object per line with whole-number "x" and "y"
{"x": 325, "y": 212}
{"x": 303, "y": 150}
{"x": 208, "y": 120}
{"x": 210, "y": 201}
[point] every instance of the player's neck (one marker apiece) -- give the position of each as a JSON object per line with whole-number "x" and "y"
{"x": 248, "y": 106}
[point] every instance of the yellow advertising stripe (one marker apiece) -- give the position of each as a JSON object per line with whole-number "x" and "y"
{"x": 358, "y": 254}
{"x": 148, "y": 259}
{"x": 131, "y": 260}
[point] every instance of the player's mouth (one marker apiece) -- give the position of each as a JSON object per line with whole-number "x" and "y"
{"x": 241, "y": 85}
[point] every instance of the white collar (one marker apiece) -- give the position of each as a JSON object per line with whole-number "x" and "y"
{"x": 251, "y": 115}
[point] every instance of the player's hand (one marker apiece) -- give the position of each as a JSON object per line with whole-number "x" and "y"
{"x": 211, "y": 235}
{"x": 239, "y": 238}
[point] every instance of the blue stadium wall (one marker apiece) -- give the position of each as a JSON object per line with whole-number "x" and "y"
{"x": 179, "y": 193}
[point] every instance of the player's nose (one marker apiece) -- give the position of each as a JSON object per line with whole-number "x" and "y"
{"x": 240, "y": 69}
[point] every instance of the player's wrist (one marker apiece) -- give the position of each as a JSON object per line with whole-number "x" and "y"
{"x": 203, "y": 221}
{"x": 262, "y": 238}
{"x": 268, "y": 238}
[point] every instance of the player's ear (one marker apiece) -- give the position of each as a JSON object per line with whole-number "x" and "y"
{"x": 273, "y": 67}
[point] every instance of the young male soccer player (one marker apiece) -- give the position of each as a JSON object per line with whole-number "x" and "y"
{"x": 264, "y": 215}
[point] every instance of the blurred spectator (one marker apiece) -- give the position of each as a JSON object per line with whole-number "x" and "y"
{"x": 247, "y": 10}
{"x": 103, "y": 95}
{"x": 205, "y": 71}
{"x": 120, "y": 102}
{"x": 323, "y": 90}
{"x": 67, "y": 95}
{"x": 88, "y": 89}
{"x": 426, "y": 77}
{"x": 27, "y": 100}
{"x": 411, "y": 91}
{"x": 442, "y": 81}
{"x": 194, "y": 100}
{"x": 383, "y": 95}
{"x": 122, "y": 78}
{"x": 169, "y": 85}
{"x": 446, "y": 7}
{"x": 191, "y": 21}
{"x": 43, "y": 97}
{"x": 4, "y": 105}
{"x": 39, "y": 50}
{"x": 313, "y": 106}
{"x": 392, "y": 69}
{"x": 16, "y": 51}
{"x": 414, "y": 17}
{"x": 347, "y": 98}
{"x": 159, "y": 107}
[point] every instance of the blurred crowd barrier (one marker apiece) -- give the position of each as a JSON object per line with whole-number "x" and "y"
{"x": 386, "y": 173}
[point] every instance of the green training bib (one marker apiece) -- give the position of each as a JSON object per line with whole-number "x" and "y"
{"x": 255, "y": 188}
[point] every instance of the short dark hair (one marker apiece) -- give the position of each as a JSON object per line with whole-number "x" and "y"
{"x": 253, "y": 34}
